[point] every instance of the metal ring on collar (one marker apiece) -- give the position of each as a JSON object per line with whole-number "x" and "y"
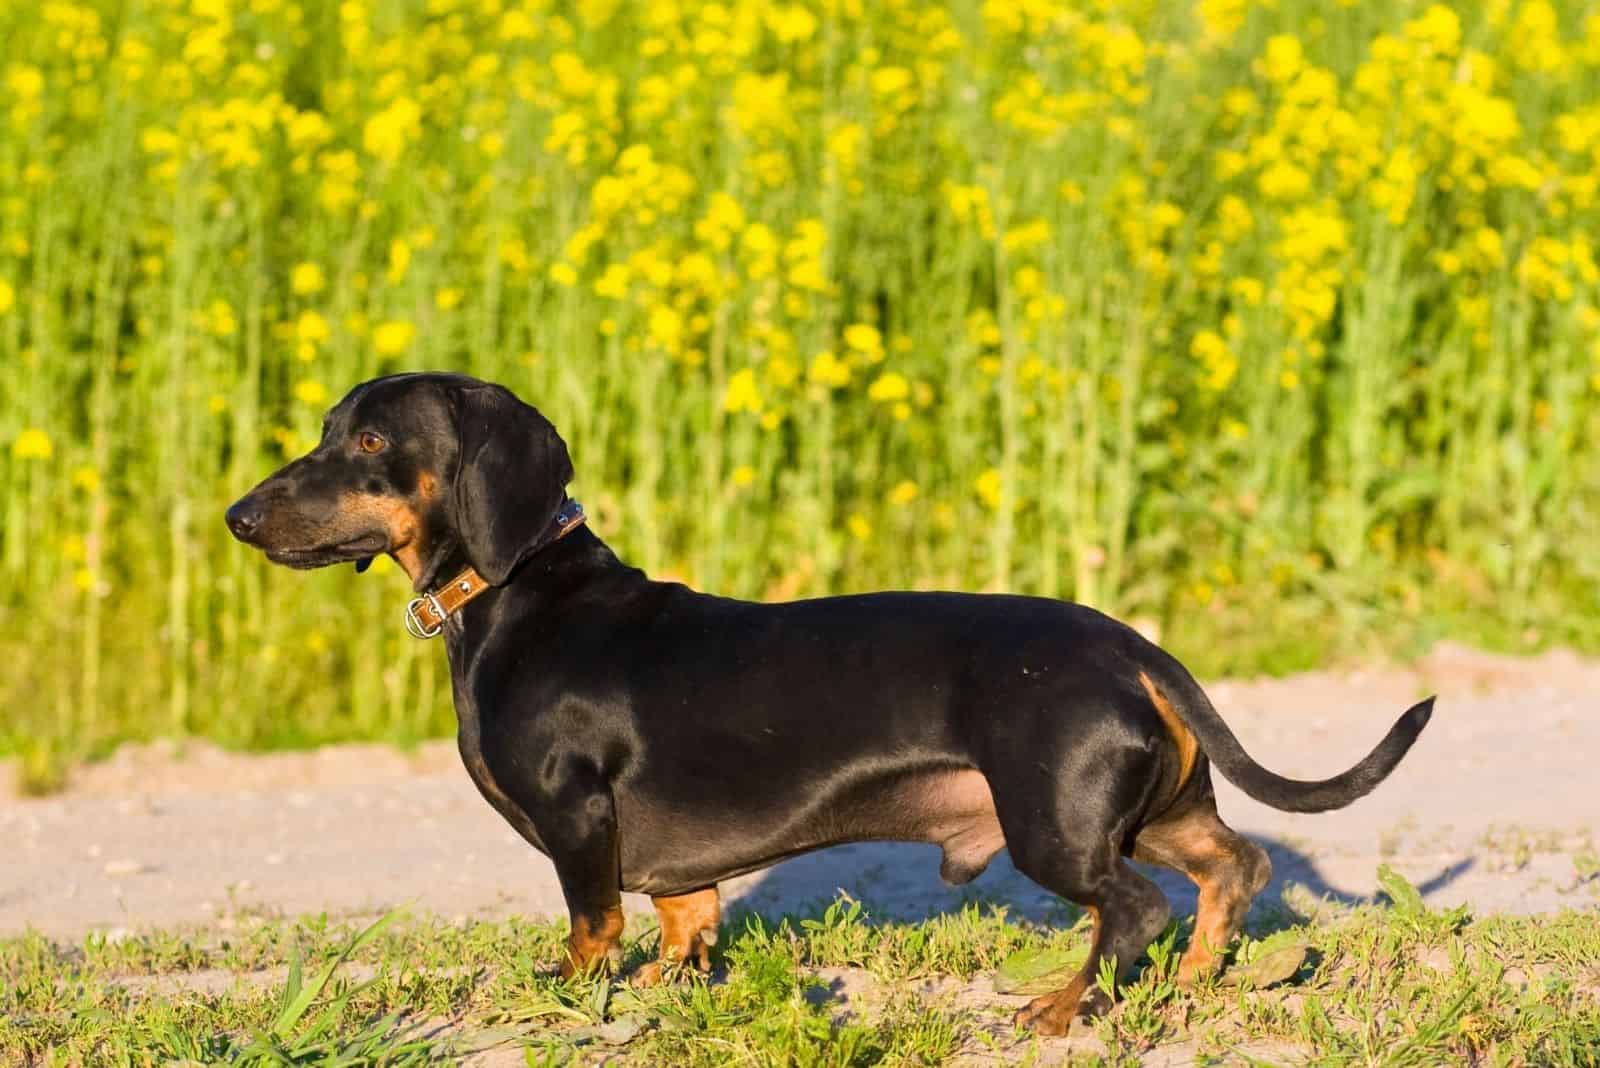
{"x": 414, "y": 623}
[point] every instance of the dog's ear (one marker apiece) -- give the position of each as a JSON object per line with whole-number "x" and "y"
{"x": 511, "y": 477}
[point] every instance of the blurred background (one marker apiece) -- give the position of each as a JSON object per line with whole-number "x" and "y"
{"x": 1271, "y": 325}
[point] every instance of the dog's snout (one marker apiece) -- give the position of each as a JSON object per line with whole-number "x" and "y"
{"x": 244, "y": 518}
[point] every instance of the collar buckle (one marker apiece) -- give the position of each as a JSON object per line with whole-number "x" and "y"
{"x": 418, "y": 627}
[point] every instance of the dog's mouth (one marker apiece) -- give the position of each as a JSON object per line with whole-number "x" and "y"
{"x": 359, "y": 549}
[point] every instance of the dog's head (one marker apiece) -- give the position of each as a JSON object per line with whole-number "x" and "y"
{"x": 418, "y": 466}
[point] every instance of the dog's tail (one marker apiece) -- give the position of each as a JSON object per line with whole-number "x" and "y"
{"x": 1194, "y": 708}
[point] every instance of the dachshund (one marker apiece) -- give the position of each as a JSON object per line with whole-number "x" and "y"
{"x": 650, "y": 738}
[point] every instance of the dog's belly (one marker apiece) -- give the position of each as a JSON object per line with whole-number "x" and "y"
{"x": 671, "y": 849}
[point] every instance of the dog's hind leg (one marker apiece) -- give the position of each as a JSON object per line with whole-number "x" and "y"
{"x": 1228, "y": 869}
{"x": 1074, "y": 849}
{"x": 1129, "y": 911}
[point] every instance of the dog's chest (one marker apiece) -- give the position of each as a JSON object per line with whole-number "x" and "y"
{"x": 467, "y": 743}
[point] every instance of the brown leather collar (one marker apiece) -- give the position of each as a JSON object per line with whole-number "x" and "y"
{"x": 425, "y": 615}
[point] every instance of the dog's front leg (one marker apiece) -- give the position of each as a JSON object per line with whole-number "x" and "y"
{"x": 577, "y": 822}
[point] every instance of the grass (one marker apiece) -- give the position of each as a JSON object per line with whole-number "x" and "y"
{"x": 1399, "y": 984}
{"x": 1275, "y": 325}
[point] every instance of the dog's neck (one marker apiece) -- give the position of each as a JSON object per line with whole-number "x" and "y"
{"x": 444, "y": 556}
{"x": 545, "y": 572}
{"x": 542, "y": 584}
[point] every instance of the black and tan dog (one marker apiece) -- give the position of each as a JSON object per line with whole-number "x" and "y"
{"x": 651, "y": 738}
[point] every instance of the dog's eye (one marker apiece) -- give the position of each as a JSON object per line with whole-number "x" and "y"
{"x": 371, "y": 442}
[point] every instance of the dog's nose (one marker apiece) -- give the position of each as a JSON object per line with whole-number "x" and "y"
{"x": 243, "y": 518}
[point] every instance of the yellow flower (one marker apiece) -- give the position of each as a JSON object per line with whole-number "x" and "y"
{"x": 1284, "y": 58}
{"x": 8, "y": 296}
{"x": 1221, "y": 19}
{"x": 743, "y": 475}
{"x": 863, "y": 338}
{"x": 220, "y": 320}
{"x": 447, "y": 298}
{"x": 308, "y": 130}
{"x": 666, "y": 327}
{"x": 311, "y": 328}
{"x": 514, "y": 254}
{"x": 791, "y": 23}
{"x": 844, "y": 145}
{"x": 613, "y": 281}
{"x": 393, "y": 337}
{"x": 399, "y": 260}
{"x": 1284, "y": 181}
{"x": 24, "y": 81}
{"x": 1214, "y": 355}
{"x": 1439, "y": 28}
{"x": 387, "y": 133}
{"x": 828, "y": 370}
{"x": 987, "y": 486}
{"x": 1234, "y": 218}
{"x": 32, "y": 444}
{"x": 563, "y": 274}
{"x": 889, "y": 387}
{"x": 1487, "y": 243}
{"x": 903, "y": 493}
{"x": 888, "y": 80}
{"x": 86, "y": 478}
{"x": 311, "y": 393}
{"x": 761, "y": 105}
{"x": 306, "y": 279}
{"x": 743, "y": 395}
{"x": 860, "y": 529}
{"x": 1027, "y": 235}
{"x": 1248, "y": 290}
{"x": 723, "y": 219}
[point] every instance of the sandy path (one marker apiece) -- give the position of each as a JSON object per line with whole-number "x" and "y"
{"x": 1498, "y": 805}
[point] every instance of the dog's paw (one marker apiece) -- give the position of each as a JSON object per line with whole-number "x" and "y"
{"x": 647, "y": 975}
{"x": 1064, "y": 1013}
{"x": 1044, "y": 1016}
{"x": 672, "y": 967}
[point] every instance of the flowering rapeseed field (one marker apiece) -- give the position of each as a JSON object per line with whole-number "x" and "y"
{"x": 1266, "y": 320}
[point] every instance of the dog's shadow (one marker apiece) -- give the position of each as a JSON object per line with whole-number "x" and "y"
{"x": 901, "y": 882}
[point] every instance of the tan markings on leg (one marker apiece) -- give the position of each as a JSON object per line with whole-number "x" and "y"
{"x": 1213, "y": 929}
{"x": 1182, "y": 736}
{"x": 1228, "y": 870}
{"x": 1051, "y": 1014}
{"x": 688, "y": 931}
{"x": 594, "y": 944}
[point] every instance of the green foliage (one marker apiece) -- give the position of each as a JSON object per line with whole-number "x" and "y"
{"x": 1509, "y": 990}
{"x": 1273, "y": 325}
{"x": 1410, "y": 909}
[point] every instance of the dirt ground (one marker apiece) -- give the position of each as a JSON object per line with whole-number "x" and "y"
{"x": 1498, "y": 805}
